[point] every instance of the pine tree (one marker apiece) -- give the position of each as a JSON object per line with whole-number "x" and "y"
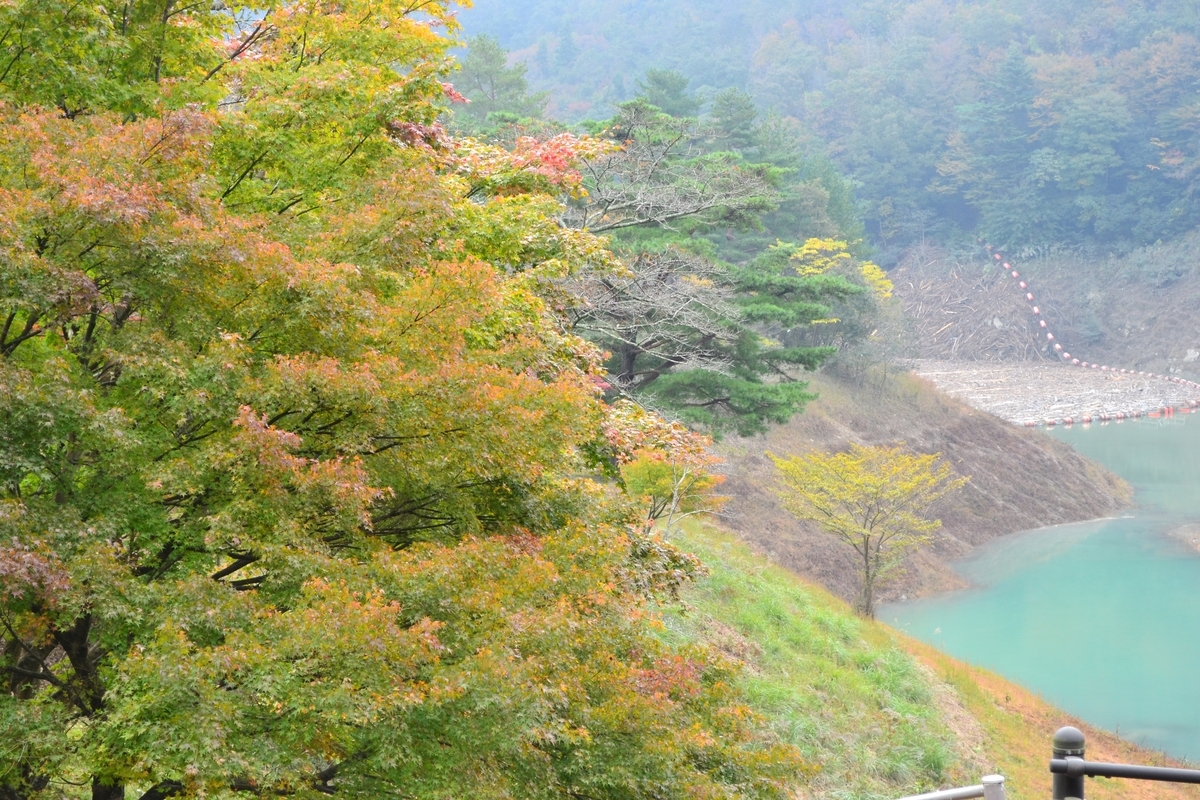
{"x": 493, "y": 87}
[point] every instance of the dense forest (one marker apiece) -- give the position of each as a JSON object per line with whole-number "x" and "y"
{"x": 1034, "y": 125}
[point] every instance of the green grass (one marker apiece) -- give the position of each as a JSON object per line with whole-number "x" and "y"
{"x": 837, "y": 687}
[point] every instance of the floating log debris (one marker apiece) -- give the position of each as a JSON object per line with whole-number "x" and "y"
{"x": 1040, "y": 394}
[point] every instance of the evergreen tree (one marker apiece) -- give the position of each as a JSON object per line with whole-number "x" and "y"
{"x": 567, "y": 51}
{"x": 733, "y": 115}
{"x": 494, "y": 87}
{"x": 688, "y": 334}
{"x": 667, "y": 90}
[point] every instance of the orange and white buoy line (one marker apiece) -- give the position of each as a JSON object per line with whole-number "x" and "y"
{"x": 1068, "y": 359}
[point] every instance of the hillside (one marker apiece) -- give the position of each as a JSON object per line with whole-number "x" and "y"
{"x": 329, "y": 434}
{"x": 1020, "y": 479}
{"x": 1031, "y": 123}
{"x": 1135, "y": 310}
{"x": 883, "y": 714}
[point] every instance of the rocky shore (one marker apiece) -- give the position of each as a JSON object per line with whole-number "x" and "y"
{"x": 1055, "y": 394}
{"x": 1188, "y": 534}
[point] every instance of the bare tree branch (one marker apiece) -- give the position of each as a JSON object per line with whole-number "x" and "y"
{"x": 672, "y": 311}
{"x": 661, "y": 176}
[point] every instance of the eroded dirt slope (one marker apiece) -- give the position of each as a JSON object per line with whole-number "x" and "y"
{"x": 1020, "y": 478}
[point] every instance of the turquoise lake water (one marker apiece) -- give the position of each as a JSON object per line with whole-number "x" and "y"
{"x": 1100, "y": 618}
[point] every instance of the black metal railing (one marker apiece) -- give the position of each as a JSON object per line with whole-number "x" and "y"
{"x": 1069, "y": 767}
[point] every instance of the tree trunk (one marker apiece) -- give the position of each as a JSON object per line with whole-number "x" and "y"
{"x": 162, "y": 790}
{"x": 866, "y": 600}
{"x": 104, "y": 789}
{"x": 629, "y": 354}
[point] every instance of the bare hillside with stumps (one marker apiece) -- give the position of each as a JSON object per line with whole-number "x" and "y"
{"x": 1137, "y": 311}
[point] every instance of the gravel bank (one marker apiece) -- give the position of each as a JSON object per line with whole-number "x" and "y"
{"x": 1054, "y": 394}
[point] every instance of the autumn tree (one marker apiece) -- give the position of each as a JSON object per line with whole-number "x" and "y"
{"x": 874, "y": 499}
{"x": 669, "y": 467}
{"x": 667, "y": 311}
{"x": 294, "y": 473}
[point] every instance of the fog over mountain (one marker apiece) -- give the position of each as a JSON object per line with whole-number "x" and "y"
{"x": 1037, "y": 125}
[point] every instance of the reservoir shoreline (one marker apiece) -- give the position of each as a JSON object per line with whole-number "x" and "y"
{"x": 1099, "y": 617}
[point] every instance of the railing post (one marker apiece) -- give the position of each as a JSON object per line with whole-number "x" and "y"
{"x": 993, "y": 787}
{"x": 1068, "y": 742}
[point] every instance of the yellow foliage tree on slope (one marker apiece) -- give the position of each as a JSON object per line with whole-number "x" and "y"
{"x": 874, "y": 499}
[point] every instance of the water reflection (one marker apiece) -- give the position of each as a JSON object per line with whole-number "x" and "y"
{"x": 1102, "y": 618}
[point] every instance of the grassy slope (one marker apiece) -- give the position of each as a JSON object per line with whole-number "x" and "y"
{"x": 882, "y": 714}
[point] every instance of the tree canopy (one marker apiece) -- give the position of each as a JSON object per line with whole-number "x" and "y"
{"x": 1030, "y": 124}
{"x": 874, "y": 499}
{"x": 301, "y": 470}
{"x": 667, "y": 90}
{"x": 691, "y": 334}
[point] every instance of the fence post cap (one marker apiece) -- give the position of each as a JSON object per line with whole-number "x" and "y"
{"x": 992, "y": 780}
{"x": 1069, "y": 741}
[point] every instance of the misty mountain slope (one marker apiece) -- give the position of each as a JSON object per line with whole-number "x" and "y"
{"x": 1032, "y": 124}
{"x": 582, "y": 46}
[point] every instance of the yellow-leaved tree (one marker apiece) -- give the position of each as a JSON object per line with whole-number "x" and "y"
{"x": 875, "y": 499}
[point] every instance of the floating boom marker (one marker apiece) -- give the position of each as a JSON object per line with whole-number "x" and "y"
{"x": 1069, "y": 360}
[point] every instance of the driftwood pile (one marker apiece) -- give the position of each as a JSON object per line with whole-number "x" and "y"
{"x": 1033, "y": 393}
{"x": 967, "y": 312}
